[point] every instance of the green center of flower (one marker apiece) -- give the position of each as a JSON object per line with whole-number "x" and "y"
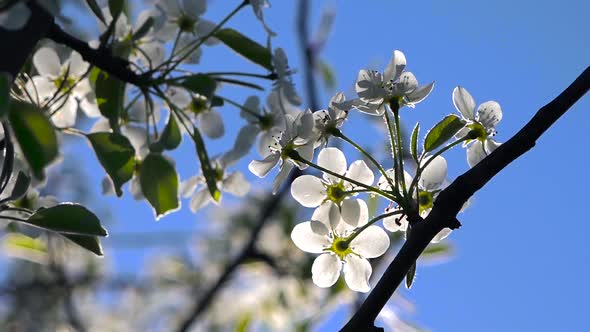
{"x": 425, "y": 201}
{"x": 477, "y": 132}
{"x": 198, "y": 105}
{"x": 64, "y": 83}
{"x": 341, "y": 247}
{"x": 219, "y": 173}
{"x": 336, "y": 192}
{"x": 186, "y": 24}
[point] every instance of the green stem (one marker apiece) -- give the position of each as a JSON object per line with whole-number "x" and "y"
{"x": 295, "y": 156}
{"x": 400, "y": 147}
{"x": 397, "y": 159}
{"x": 371, "y": 222}
{"x": 235, "y": 73}
{"x": 241, "y": 107}
{"x": 338, "y": 133}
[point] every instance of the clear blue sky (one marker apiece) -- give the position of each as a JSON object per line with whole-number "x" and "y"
{"x": 521, "y": 262}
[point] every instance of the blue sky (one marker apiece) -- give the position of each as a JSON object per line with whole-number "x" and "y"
{"x": 520, "y": 262}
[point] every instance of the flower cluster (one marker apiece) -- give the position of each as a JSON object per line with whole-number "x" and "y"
{"x": 340, "y": 229}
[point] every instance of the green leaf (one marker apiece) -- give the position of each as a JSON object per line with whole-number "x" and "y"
{"x": 116, "y": 155}
{"x": 110, "y": 96}
{"x": 246, "y": 47}
{"x": 143, "y": 29}
{"x": 442, "y": 132}
{"x": 5, "y": 83}
{"x": 35, "y": 135}
{"x": 67, "y": 218}
{"x": 243, "y": 324}
{"x": 116, "y": 7}
{"x": 96, "y": 10}
{"x": 201, "y": 84}
{"x": 437, "y": 252}
{"x": 159, "y": 183}
{"x": 414, "y": 142}
{"x": 91, "y": 243}
{"x": 216, "y": 101}
{"x": 170, "y": 138}
{"x": 410, "y": 276}
{"x": 328, "y": 74}
{"x": 208, "y": 171}
{"x": 25, "y": 247}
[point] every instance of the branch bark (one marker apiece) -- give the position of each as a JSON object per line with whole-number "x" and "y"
{"x": 450, "y": 201}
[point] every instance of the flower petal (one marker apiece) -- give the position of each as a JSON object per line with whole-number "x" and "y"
{"x": 420, "y": 93}
{"x": 47, "y": 62}
{"x": 334, "y": 160}
{"x": 464, "y": 102}
{"x": 211, "y": 124}
{"x": 392, "y": 223}
{"x": 489, "y": 114}
{"x": 200, "y": 199}
{"x": 371, "y": 242}
{"x": 236, "y": 184}
{"x": 325, "y": 270}
{"x": 357, "y": 272}
{"x": 77, "y": 65}
{"x": 360, "y": 172}
{"x": 434, "y": 174}
{"x": 282, "y": 176}
{"x": 261, "y": 167}
{"x": 475, "y": 153}
{"x": 396, "y": 66}
{"x": 368, "y": 84}
{"x": 355, "y": 212}
{"x": 308, "y": 190}
{"x": 441, "y": 235}
{"x": 407, "y": 83}
{"x": 327, "y": 213}
{"x": 188, "y": 187}
{"x": 311, "y": 236}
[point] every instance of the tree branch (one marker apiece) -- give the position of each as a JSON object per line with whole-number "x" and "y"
{"x": 450, "y": 201}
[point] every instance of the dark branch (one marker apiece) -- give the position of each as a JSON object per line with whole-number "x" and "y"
{"x": 101, "y": 58}
{"x": 450, "y": 201}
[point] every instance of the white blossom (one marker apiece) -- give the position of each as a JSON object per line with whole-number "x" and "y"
{"x": 196, "y": 106}
{"x": 15, "y": 17}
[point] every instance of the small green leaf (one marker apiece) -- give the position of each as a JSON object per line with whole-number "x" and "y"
{"x": 442, "y": 132}
{"x": 201, "y": 84}
{"x": 110, "y": 96}
{"x": 116, "y": 7}
{"x": 208, "y": 171}
{"x": 246, "y": 47}
{"x": 143, "y": 29}
{"x": 35, "y": 135}
{"x": 5, "y": 83}
{"x": 90, "y": 243}
{"x": 159, "y": 183}
{"x": 96, "y": 10}
{"x": 327, "y": 74}
{"x": 116, "y": 155}
{"x": 437, "y": 252}
{"x": 414, "y": 142}
{"x": 410, "y": 276}
{"x": 170, "y": 138}
{"x": 67, "y": 218}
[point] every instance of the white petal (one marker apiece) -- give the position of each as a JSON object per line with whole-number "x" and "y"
{"x": 420, "y": 93}
{"x": 211, "y": 124}
{"x": 252, "y": 104}
{"x": 180, "y": 97}
{"x": 66, "y": 116}
{"x": 188, "y": 187}
{"x": 306, "y": 152}
{"x": 77, "y": 65}
{"x": 108, "y": 188}
{"x": 392, "y": 223}
{"x": 407, "y": 83}
{"x": 369, "y": 106}
{"x": 47, "y": 62}
{"x": 265, "y": 141}
{"x": 368, "y": 85}
{"x": 395, "y": 67}
{"x": 308, "y": 190}
{"x": 360, "y": 172}
{"x": 464, "y": 102}
{"x": 491, "y": 145}
{"x": 475, "y": 153}
{"x": 101, "y": 125}
{"x": 327, "y": 213}
{"x": 200, "y": 199}
{"x": 236, "y": 184}
{"x": 204, "y": 28}
{"x": 355, "y": 212}
{"x": 261, "y": 167}
{"x": 282, "y": 176}
{"x": 90, "y": 108}
{"x": 334, "y": 160}
{"x": 441, "y": 235}
{"x": 371, "y": 242}
{"x": 357, "y": 272}
{"x": 311, "y": 236}
{"x": 489, "y": 114}
{"x": 194, "y": 8}
{"x": 434, "y": 174}
{"x": 326, "y": 270}
{"x": 244, "y": 141}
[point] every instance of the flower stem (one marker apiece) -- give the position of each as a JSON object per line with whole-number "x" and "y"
{"x": 371, "y": 222}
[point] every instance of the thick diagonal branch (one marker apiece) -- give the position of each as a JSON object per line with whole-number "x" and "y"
{"x": 450, "y": 201}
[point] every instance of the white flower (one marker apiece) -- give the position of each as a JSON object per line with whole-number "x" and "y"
{"x": 329, "y": 235}
{"x": 375, "y": 90}
{"x": 430, "y": 184}
{"x": 258, "y": 6}
{"x": 185, "y": 16}
{"x": 481, "y": 123}
{"x": 333, "y": 117}
{"x": 207, "y": 118}
{"x": 284, "y": 82}
{"x": 234, "y": 183}
{"x": 15, "y": 17}
{"x": 65, "y": 79}
{"x": 294, "y": 138}
{"x": 311, "y": 191}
